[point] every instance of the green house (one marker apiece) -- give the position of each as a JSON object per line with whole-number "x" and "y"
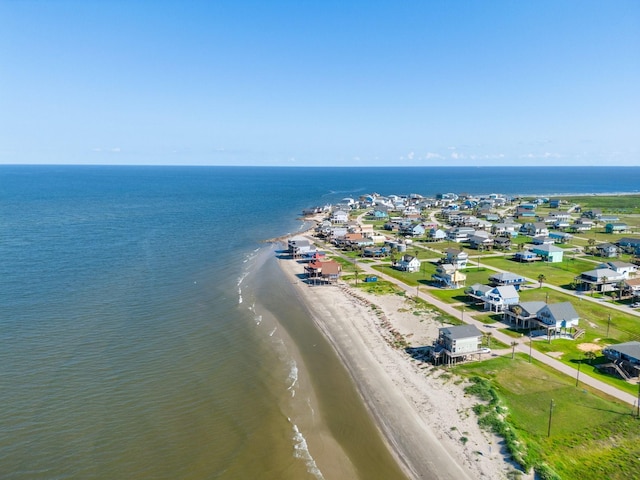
{"x": 549, "y": 253}
{"x": 616, "y": 227}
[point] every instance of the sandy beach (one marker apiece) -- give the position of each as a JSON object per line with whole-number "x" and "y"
{"x": 425, "y": 416}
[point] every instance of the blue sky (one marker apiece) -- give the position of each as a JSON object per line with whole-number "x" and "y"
{"x": 320, "y": 83}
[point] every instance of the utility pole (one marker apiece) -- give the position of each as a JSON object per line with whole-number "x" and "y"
{"x": 638, "y": 399}
{"x": 608, "y": 325}
{"x": 530, "y": 347}
{"x": 550, "y": 414}
{"x": 578, "y": 375}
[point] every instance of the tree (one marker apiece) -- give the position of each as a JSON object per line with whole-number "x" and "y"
{"x": 591, "y": 356}
{"x": 604, "y": 279}
{"x": 513, "y": 349}
{"x": 489, "y": 335}
{"x": 393, "y": 255}
{"x": 518, "y": 311}
{"x": 541, "y": 278}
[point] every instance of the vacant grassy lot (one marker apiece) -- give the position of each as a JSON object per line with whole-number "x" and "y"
{"x": 561, "y": 274}
{"x": 592, "y": 437}
{"x": 624, "y": 204}
{"x": 423, "y": 277}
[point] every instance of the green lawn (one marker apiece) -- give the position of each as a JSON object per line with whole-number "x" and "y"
{"x": 423, "y": 277}
{"x": 592, "y": 437}
{"x": 561, "y": 274}
{"x": 594, "y": 318}
{"x": 623, "y": 204}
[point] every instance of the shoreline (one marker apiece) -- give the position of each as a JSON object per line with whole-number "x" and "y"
{"x": 422, "y": 418}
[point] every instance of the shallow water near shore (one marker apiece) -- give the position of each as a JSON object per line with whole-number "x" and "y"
{"x": 341, "y": 411}
{"x": 145, "y": 332}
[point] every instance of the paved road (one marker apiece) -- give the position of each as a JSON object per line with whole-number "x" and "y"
{"x": 523, "y": 345}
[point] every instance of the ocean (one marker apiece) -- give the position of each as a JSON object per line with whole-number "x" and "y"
{"x": 145, "y": 330}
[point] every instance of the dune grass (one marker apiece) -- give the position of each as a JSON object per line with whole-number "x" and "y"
{"x": 591, "y": 436}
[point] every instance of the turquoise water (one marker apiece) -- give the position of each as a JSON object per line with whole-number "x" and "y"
{"x": 145, "y": 333}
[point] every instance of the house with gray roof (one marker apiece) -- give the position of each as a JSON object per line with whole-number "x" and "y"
{"x": 506, "y": 278}
{"x": 549, "y": 253}
{"x": 624, "y": 268}
{"x": 629, "y": 244}
{"x": 599, "y": 280}
{"x": 616, "y": 227}
{"x": 477, "y": 290}
{"x": 457, "y": 343}
{"x": 524, "y": 314}
{"x": 480, "y": 242}
{"x": 449, "y": 276}
{"x": 553, "y": 318}
{"x": 534, "y": 228}
{"x": 299, "y": 247}
{"x": 456, "y": 257}
{"x": 498, "y": 298}
{"x": 409, "y": 263}
{"x": 625, "y": 355}
{"x": 557, "y": 317}
{"x": 607, "y": 250}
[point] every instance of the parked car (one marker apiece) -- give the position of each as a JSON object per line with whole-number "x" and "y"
{"x": 635, "y": 305}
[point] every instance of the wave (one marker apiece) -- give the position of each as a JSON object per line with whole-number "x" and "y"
{"x": 301, "y": 450}
{"x": 293, "y": 377}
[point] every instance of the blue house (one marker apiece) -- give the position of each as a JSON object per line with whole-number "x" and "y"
{"x": 414, "y": 229}
{"x": 506, "y": 278}
{"x": 630, "y": 244}
{"x": 526, "y": 256}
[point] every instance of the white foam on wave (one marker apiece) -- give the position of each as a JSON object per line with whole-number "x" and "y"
{"x": 242, "y": 277}
{"x": 258, "y": 319}
{"x": 293, "y": 377}
{"x": 301, "y": 450}
{"x": 273, "y": 331}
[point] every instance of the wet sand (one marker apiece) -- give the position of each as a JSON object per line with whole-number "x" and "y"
{"x": 422, "y": 417}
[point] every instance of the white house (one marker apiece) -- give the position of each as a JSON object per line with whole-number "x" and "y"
{"x": 437, "y": 234}
{"x": 557, "y": 317}
{"x": 409, "y": 263}
{"x": 600, "y": 279}
{"x": 498, "y": 298}
{"x": 456, "y": 257}
{"x": 458, "y": 341}
{"x": 623, "y": 268}
{"x": 339, "y": 216}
